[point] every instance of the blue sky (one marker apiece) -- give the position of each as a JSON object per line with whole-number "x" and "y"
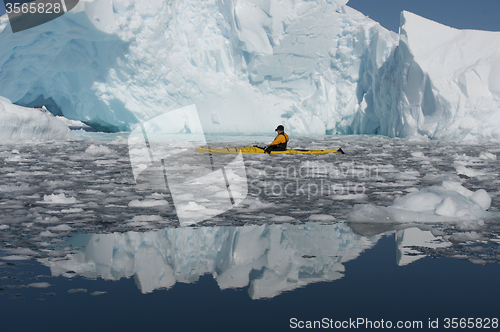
{"x": 461, "y": 14}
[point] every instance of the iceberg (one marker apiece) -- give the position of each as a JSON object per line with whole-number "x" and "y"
{"x": 20, "y": 124}
{"x": 444, "y": 82}
{"x": 316, "y": 67}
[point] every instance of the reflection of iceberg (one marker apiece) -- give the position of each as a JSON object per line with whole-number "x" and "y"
{"x": 161, "y": 159}
{"x": 415, "y": 241}
{"x": 268, "y": 258}
{"x": 415, "y": 237}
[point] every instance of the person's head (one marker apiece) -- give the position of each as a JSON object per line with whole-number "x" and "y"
{"x": 280, "y": 129}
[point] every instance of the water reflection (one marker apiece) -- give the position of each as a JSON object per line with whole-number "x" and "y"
{"x": 270, "y": 259}
{"x": 267, "y": 259}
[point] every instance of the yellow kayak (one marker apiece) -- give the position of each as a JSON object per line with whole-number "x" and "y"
{"x": 256, "y": 149}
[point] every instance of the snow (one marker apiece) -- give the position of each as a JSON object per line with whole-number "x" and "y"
{"x": 316, "y": 67}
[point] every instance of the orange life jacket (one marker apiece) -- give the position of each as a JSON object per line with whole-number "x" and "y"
{"x": 280, "y": 141}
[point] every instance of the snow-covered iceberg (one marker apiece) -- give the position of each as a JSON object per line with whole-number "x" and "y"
{"x": 317, "y": 67}
{"x": 21, "y": 124}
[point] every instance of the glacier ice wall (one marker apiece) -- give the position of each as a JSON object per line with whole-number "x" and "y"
{"x": 317, "y": 67}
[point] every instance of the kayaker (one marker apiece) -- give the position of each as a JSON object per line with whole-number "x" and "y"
{"x": 279, "y": 143}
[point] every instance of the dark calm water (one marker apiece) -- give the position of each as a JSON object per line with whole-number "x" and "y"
{"x": 374, "y": 288}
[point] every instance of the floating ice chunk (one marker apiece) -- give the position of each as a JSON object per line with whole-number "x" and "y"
{"x": 147, "y": 218}
{"x": 477, "y": 261}
{"x": 137, "y": 224}
{"x": 440, "y": 178}
{"x": 59, "y": 199}
{"x": 48, "y": 220}
{"x": 40, "y": 285}
{"x": 449, "y": 202}
{"x": 158, "y": 195}
{"x": 192, "y": 212}
{"x": 282, "y": 219}
{"x": 461, "y": 169}
{"x": 192, "y": 206}
{"x": 97, "y": 293}
{"x": 418, "y": 154}
{"x": 77, "y": 290}
{"x": 100, "y": 150}
{"x": 58, "y": 253}
{"x": 2, "y": 227}
{"x": 321, "y": 217}
{"x": 407, "y": 175}
{"x": 15, "y": 258}
{"x": 22, "y": 251}
{"x": 47, "y": 234}
{"x": 148, "y": 203}
{"x": 7, "y": 188}
{"x": 464, "y": 237}
{"x": 487, "y": 156}
{"x": 60, "y": 228}
{"x": 57, "y": 183}
{"x": 74, "y": 210}
{"x": 350, "y": 196}
{"x": 257, "y": 204}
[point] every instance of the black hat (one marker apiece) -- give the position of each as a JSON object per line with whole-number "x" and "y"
{"x": 280, "y": 128}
